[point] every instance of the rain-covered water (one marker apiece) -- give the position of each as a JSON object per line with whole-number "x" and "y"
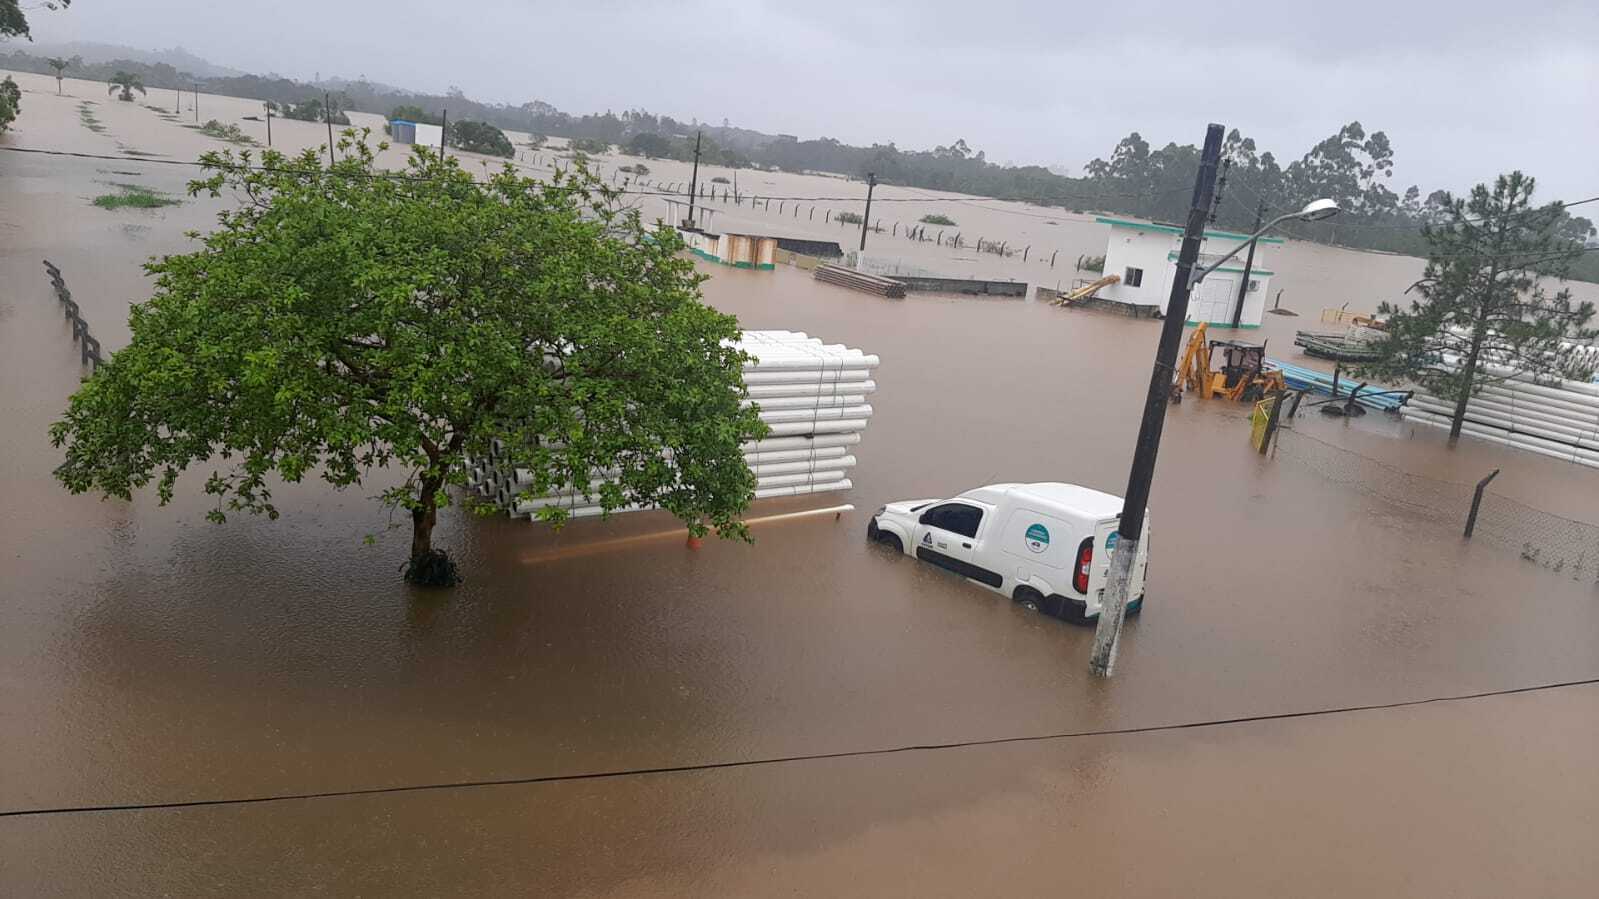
{"x": 147, "y": 656}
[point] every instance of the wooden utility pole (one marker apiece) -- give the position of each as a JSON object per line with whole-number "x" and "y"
{"x": 871, "y": 182}
{"x": 1130, "y": 529}
{"x": 197, "y": 102}
{"x": 1249, "y": 264}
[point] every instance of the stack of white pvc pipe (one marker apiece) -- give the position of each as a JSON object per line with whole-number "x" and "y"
{"x": 812, "y": 396}
{"x": 1560, "y": 421}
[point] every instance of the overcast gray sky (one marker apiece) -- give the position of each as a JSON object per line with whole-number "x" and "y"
{"x": 1465, "y": 89}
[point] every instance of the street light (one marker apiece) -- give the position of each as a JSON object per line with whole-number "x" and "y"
{"x": 1130, "y": 527}
{"x": 1314, "y": 211}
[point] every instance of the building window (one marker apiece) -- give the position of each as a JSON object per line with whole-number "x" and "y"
{"x": 1134, "y": 277}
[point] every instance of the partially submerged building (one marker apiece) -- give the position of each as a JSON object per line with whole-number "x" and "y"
{"x": 403, "y": 132}
{"x": 737, "y": 250}
{"x": 1144, "y": 256}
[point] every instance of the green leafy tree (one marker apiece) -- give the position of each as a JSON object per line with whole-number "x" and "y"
{"x": 312, "y": 110}
{"x": 14, "y": 22}
{"x": 10, "y": 103}
{"x": 342, "y": 321}
{"x": 407, "y": 112}
{"x": 480, "y": 137}
{"x": 585, "y": 145}
{"x": 649, "y": 146}
{"x": 128, "y": 82}
{"x": 1484, "y": 313}
{"x": 60, "y": 66}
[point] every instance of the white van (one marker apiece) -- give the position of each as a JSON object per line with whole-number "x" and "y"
{"x": 1047, "y": 545}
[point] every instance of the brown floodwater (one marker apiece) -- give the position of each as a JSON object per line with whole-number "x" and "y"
{"x": 147, "y": 656}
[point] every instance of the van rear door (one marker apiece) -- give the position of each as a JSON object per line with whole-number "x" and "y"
{"x": 1099, "y": 567}
{"x": 1104, "y": 548}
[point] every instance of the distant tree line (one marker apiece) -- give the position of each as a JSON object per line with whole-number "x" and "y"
{"x": 1353, "y": 166}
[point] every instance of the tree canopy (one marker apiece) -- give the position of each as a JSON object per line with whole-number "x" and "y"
{"x": 311, "y": 109}
{"x": 480, "y": 137}
{"x": 127, "y": 82}
{"x": 407, "y": 112}
{"x": 60, "y": 66}
{"x": 14, "y": 21}
{"x": 10, "y": 102}
{"x": 342, "y": 320}
{"x": 1484, "y": 311}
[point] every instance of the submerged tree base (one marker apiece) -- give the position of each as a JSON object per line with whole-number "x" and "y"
{"x": 433, "y": 568}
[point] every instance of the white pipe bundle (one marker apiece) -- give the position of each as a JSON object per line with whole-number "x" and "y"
{"x": 812, "y": 397}
{"x": 1556, "y": 420}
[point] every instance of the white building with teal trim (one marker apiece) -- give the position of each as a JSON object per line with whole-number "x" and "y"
{"x": 1143, "y": 255}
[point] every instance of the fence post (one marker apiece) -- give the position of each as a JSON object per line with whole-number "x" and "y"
{"x": 1476, "y": 502}
{"x": 1271, "y": 422}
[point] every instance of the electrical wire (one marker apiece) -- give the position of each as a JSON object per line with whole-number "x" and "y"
{"x": 779, "y": 760}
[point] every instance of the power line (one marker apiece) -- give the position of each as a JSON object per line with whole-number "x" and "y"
{"x": 778, "y": 760}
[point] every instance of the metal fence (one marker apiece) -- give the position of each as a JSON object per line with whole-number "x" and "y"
{"x": 1560, "y": 544}
{"x": 80, "y": 328}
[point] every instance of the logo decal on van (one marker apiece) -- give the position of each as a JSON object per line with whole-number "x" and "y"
{"x": 927, "y": 539}
{"x": 1111, "y": 541}
{"x": 1037, "y": 538}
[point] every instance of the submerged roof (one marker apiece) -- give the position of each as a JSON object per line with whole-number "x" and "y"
{"x": 1175, "y": 229}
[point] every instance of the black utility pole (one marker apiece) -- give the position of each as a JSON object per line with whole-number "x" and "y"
{"x": 197, "y": 102}
{"x": 871, "y": 182}
{"x": 268, "y": 106}
{"x": 1249, "y": 264}
{"x": 444, "y": 130}
{"x": 694, "y": 180}
{"x": 1131, "y": 528}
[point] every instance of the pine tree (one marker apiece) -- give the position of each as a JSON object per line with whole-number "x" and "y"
{"x": 1485, "y": 312}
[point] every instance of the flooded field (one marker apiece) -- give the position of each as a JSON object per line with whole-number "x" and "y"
{"x": 149, "y": 657}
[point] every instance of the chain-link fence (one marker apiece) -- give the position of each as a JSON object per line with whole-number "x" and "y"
{"x": 1559, "y": 544}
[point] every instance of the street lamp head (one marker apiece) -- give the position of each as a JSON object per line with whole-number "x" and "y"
{"x": 1316, "y": 210}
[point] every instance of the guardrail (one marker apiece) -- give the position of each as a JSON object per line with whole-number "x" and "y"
{"x": 80, "y": 328}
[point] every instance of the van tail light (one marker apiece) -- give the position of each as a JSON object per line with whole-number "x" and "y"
{"x": 1085, "y": 559}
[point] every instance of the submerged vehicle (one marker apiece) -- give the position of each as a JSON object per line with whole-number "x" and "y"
{"x": 1046, "y": 545}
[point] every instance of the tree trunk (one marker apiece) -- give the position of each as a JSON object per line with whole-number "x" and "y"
{"x": 424, "y": 516}
{"x": 1468, "y": 375}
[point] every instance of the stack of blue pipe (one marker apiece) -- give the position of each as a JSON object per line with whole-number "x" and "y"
{"x": 1301, "y": 378}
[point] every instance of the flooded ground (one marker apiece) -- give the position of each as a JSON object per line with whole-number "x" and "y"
{"x": 149, "y": 657}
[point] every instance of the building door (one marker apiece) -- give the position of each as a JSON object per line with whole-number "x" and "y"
{"x": 1213, "y": 300}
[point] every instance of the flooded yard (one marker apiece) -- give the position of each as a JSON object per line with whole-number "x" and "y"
{"x": 147, "y": 656}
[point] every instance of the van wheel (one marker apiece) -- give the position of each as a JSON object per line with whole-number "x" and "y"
{"x": 888, "y": 539}
{"x": 1136, "y": 606}
{"x": 1029, "y": 599}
